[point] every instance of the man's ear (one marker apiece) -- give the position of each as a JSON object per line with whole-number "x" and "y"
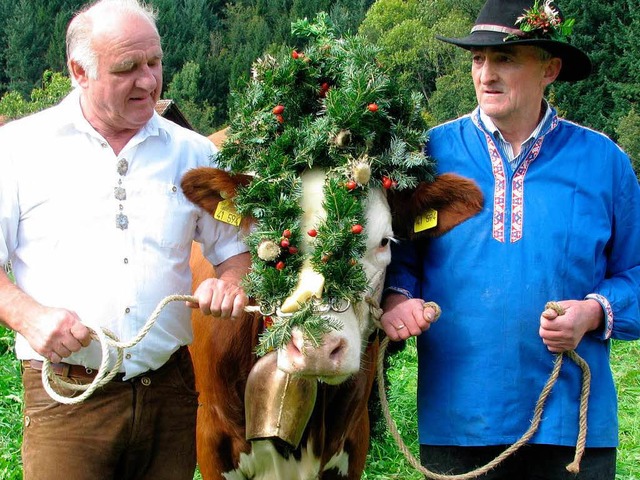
{"x": 552, "y": 70}
{"x": 78, "y": 73}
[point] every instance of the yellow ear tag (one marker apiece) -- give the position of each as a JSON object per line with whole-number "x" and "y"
{"x": 426, "y": 221}
{"x": 226, "y": 212}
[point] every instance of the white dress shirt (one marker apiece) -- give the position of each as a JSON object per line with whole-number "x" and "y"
{"x": 107, "y": 236}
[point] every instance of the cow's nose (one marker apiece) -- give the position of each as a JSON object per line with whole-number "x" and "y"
{"x": 325, "y": 359}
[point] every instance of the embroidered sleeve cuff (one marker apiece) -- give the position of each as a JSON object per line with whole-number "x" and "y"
{"x": 401, "y": 291}
{"x": 608, "y": 314}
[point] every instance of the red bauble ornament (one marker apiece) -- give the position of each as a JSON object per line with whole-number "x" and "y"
{"x": 312, "y": 233}
{"x": 356, "y": 229}
{"x": 278, "y": 109}
{"x": 372, "y": 107}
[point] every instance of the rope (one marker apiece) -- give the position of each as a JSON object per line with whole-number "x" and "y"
{"x": 573, "y": 467}
{"x": 105, "y": 373}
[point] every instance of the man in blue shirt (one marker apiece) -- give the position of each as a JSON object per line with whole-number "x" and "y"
{"x": 561, "y": 222}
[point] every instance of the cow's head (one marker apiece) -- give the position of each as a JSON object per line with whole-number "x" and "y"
{"x": 331, "y": 353}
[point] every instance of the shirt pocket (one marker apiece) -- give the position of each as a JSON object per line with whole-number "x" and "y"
{"x": 167, "y": 216}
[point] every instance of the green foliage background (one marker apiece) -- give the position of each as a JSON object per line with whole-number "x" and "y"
{"x": 210, "y": 46}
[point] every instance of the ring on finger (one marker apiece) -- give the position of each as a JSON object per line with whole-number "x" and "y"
{"x": 400, "y": 327}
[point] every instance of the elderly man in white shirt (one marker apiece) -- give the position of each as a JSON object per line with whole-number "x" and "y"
{"x": 98, "y": 232}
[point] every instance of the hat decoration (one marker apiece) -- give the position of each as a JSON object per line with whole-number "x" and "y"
{"x": 326, "y": 103}
{"x": 543, "y": 21}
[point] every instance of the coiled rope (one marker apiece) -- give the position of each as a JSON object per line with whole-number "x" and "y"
{"x": 573, "y": 467}
{"x": 108, "y": 340}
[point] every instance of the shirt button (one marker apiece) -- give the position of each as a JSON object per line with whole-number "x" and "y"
{"x": 128, "y": 355}
{"x": 127, "y": 310}
{"x": 126, "y": 261}
{"x": 174, "y": 189}
{"x": 146, "y": 381}
{"x": 103, "y": 144}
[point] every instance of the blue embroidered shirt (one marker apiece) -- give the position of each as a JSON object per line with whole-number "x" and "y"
{"x": 564, "y": 224}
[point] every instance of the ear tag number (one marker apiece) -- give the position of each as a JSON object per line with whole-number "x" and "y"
{"x": 426, "y": 221}
{"x": 226, "y": 212}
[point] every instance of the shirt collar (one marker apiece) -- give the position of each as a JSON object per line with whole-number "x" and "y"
{"x": 491, "y": 127}
{"x": 73, "y": 118}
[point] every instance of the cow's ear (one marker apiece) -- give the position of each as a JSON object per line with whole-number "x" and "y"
{"x": 207, "y": 186}
{"x": 454, "y": 198}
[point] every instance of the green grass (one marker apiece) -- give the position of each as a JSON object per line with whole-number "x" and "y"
{"x": 10, "y": 410}
{"x": 385, "y": 461}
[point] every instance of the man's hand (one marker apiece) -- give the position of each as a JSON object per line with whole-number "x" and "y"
{"x": 561, "y": 333}
{"x": 54, "y": 333}
{"x": 222, "y": 296}
{"x": 220, "y": 299}
{"x": 404, "y": 317}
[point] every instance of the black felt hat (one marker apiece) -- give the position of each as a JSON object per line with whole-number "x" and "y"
{"x": 527, "y": 22}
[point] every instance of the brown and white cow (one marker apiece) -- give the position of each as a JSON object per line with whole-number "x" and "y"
{"x": 328, "y": 385}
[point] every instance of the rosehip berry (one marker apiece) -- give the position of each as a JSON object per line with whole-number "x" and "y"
{"x": 286, "y": 233}
{"x": 372, "y": 107}
{"x": 293, "y": 250}
{"x": 312, "y": 233}
{"x": 278, "y": 109}
{"x": 280, "y": 265}
{"x": 351, "y": 185}
{"x": 284, "y": 243}
{"x": 356, "y": 229}
{"x": 387, "y": 182}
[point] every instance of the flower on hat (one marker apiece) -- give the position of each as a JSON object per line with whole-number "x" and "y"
{"x": 543, "y": 21}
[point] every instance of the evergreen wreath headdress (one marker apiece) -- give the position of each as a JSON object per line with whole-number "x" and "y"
{"x": 328, "y": 103}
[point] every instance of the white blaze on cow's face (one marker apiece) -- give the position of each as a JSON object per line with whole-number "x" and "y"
{"x": 338, "y": 356}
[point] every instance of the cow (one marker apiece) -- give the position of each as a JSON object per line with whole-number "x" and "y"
{"x": 300, "y": 412}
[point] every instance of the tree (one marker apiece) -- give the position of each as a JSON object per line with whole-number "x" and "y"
{"x": 406, "y": 32}
{"x": 184, "y": 89}
{"x": 54, "y": 87}
{"x": 26, "y": 43}
{"x": 185, "y": 27}
{"x": 608, "y": 33}
{"x": 628, "y": 137}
